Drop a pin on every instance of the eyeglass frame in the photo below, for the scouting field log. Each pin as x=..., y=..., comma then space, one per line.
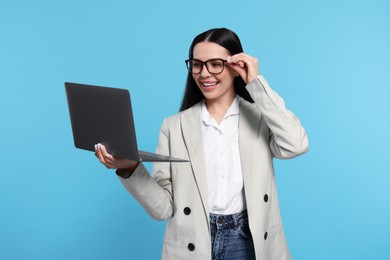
x=205, y=63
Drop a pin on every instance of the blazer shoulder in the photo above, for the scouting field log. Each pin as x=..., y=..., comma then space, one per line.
x=246, y=106
x=188, y=113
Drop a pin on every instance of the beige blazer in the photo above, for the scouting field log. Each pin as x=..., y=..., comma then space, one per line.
x=178, y=191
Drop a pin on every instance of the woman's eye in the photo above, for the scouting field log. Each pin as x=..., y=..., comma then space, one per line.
x=216, y=64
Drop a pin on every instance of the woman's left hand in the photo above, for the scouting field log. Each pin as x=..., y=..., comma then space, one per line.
x=246, y=66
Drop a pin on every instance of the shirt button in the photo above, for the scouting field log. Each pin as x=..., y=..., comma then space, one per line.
x=187, y=211
x=266, y=198
x=265, y=235
x=191, y=247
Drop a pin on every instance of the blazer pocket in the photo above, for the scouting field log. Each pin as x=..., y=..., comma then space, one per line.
x=178, y=250
x=275, y=243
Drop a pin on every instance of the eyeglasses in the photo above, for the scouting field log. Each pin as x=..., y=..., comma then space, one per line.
x=214, y=66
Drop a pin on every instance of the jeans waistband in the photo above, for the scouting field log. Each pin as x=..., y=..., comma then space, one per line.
x=229, y=221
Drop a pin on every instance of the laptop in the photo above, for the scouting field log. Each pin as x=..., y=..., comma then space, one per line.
x=104, y=115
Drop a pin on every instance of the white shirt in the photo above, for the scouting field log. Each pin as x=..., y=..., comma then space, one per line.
x=223, y=163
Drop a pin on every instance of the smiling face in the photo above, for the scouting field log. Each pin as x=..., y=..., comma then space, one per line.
x=215, y=87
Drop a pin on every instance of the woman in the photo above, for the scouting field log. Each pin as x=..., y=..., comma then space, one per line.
x=222, y=204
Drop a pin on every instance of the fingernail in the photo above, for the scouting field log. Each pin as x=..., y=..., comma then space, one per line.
x=95, y=147
x=99, y=146
x=228, y=58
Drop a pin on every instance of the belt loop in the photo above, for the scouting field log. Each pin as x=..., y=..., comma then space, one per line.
x=235, y=220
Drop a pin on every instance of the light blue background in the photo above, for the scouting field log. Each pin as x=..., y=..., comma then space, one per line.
x=329, y=60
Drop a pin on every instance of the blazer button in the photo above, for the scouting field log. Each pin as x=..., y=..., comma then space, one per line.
x=266, y=198
x=191, y=247
x=187, y=211
x=265, y=235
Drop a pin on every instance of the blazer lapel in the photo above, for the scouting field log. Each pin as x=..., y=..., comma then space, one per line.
x=192, y=132
x=248, y=127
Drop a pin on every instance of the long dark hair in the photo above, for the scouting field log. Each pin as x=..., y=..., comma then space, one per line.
x=230, y=41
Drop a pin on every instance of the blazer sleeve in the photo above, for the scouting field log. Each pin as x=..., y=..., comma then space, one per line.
x=154, y=193
x=288, y=139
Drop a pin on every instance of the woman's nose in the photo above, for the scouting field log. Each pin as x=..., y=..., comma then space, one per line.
x=204, y=72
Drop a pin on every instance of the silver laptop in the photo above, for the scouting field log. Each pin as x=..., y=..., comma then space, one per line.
x=104, y=115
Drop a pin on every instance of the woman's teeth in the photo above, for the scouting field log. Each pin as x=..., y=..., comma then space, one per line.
x=209, y=84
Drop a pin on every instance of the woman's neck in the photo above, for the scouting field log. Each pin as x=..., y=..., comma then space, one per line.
x=217, y=108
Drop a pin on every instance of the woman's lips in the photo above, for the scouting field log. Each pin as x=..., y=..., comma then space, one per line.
x=209, y=85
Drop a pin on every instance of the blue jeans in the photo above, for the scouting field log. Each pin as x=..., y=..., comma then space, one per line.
x=231, y=238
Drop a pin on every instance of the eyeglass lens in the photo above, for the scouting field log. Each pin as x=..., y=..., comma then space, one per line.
x=214, y=66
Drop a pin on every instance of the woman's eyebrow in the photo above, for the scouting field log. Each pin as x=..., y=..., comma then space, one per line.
x=218, y=58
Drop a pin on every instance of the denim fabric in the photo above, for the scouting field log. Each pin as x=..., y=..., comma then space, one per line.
x=231, y=238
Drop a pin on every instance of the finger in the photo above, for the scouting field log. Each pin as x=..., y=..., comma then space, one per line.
x=99, y=154
x=237, y=68
x=248, y=63
x=105, y=153
x=97, y=151
x=242, y=59
x=238, y=65
x=106, y=160
x=109, y=161
x=235, y=58
x=108, y=166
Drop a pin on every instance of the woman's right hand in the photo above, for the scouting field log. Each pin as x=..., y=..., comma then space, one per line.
x=113, y=162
